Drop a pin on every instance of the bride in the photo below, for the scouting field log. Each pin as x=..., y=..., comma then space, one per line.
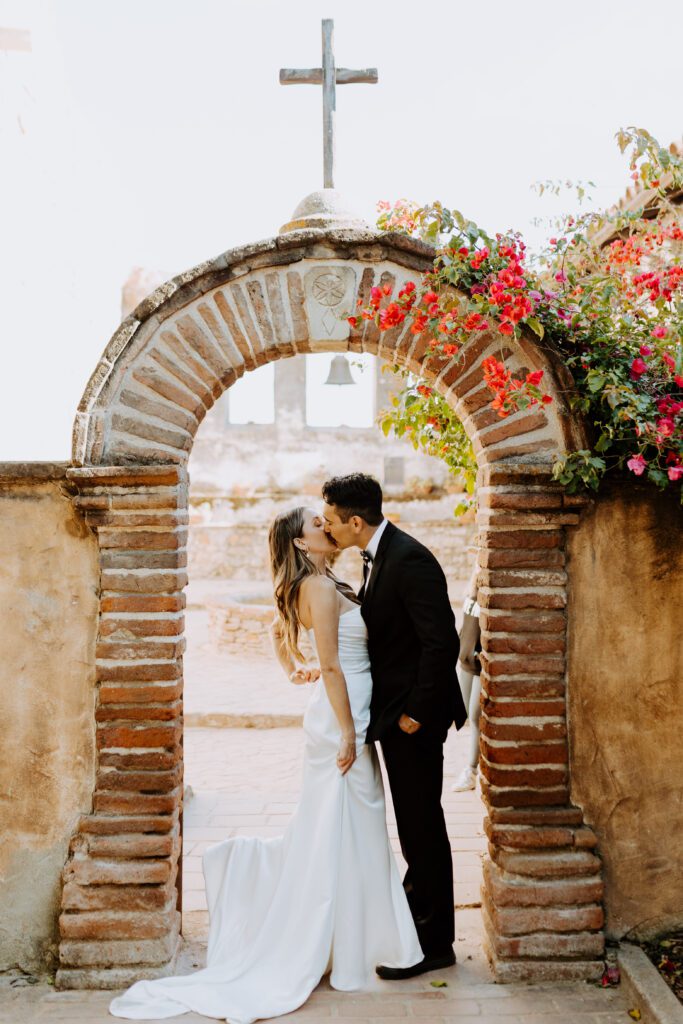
x=326, y=896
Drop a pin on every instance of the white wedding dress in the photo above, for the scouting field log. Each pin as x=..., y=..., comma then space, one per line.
x=325, y=896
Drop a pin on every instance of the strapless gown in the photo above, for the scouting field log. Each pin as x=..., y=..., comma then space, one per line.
x=325, y=896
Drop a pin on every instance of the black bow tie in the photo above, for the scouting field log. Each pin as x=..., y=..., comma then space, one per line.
x=366, y=556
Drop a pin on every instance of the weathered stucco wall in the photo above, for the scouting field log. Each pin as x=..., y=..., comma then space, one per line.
x=626, y=701
x=48, y=596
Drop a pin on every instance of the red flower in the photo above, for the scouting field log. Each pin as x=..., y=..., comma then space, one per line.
x=669, y=360
x=429, y=298
x=645, y=350
x=638, y=368
x=506, y=329
x=674, y=473
x=534, y=378
x=450, y=349
x=659, y=332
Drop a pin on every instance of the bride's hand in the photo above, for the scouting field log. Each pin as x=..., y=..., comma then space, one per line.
x=346, y=754
x=304, y=675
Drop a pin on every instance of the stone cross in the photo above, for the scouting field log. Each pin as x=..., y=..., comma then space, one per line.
x=329, y=77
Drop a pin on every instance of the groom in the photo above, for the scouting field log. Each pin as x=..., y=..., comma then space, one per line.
x=413, y=647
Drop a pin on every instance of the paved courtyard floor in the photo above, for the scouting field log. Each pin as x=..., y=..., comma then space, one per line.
x=247, y=781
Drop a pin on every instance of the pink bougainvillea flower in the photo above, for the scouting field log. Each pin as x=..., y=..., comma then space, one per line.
x=669, y=360
x=665, y=426
x=638, y=368
x=536, y=296
x=534, y=378
x=678, y=380
x=645, y=350
x=637, y=464
x=560, y=276
x=659, y=331
x=674, y=473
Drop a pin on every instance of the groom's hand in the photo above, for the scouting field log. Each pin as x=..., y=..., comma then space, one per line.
x=407, y=724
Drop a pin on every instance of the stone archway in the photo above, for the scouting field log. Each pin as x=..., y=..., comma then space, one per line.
x=161, y=372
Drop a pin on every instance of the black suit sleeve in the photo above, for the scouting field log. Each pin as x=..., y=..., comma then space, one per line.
x=424, y=594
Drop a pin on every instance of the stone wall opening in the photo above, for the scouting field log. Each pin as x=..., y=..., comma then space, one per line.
x=164, y=368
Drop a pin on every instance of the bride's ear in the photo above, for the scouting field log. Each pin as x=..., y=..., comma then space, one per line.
x=298, y=543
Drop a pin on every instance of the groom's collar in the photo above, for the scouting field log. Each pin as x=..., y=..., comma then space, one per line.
x=373, y=543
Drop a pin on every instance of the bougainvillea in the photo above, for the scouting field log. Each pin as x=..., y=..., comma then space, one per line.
x=606, y=294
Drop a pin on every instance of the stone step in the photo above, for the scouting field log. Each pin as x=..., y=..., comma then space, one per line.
x=140, y=824
x=520, y=891
x=546, y=863
x=536, y=815
x=118, y=924
x=525, y=836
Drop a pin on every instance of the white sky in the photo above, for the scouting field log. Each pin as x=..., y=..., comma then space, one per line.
x=155, y=133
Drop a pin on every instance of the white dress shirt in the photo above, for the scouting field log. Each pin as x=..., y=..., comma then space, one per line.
x=373, y=543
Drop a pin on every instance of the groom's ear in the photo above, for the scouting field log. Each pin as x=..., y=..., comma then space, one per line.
x=357, y=523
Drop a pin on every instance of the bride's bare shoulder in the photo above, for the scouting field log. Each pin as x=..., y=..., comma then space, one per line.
x=315, y=587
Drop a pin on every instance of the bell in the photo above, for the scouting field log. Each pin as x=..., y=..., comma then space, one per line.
x=340, y=371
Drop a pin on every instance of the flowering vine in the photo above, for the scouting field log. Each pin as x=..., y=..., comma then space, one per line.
x=606, y=294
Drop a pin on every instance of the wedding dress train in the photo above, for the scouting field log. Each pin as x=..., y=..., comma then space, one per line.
x=325, y=896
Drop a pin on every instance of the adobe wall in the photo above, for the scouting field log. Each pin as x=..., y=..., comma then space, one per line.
x=625, y=706
x=49, y=600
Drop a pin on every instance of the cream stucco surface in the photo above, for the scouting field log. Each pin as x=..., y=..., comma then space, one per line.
x=48, y=597
x=626, y=701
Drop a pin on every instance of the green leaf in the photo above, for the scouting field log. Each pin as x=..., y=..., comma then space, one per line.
x=439, y=984
x=536, y=326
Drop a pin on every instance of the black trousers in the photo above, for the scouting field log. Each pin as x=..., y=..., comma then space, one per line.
x=415, y=770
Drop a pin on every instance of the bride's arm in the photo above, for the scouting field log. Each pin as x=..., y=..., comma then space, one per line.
x=295, y=674
x=322, y=604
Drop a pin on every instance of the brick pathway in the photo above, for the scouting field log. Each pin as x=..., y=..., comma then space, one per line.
x=247, y=780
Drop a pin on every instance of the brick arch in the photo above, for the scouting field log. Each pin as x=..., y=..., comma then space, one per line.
x=159, y=375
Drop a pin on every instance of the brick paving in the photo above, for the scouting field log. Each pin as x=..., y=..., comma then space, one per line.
x=247, y=781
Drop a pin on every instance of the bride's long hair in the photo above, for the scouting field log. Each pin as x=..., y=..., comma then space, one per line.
x=290, y=566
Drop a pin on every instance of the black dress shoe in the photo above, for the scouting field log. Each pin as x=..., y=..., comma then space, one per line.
x=433, y=962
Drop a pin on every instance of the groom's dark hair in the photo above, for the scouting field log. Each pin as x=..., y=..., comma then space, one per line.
x=355, y=495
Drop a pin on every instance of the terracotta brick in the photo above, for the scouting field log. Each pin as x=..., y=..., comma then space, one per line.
x=560, y=863
x=139, y=712
x=116, y=924
x=517, y=539
x=100, y=824
x=143, y=540
x=158, y=671
x=138, y=736
x=533, y=777
x=518, y=476
x=513, y=664
x=525, y=753
x=523, y=708
x=524, y=643
x=531, y=621
x=151, y=377
x=117, y=560
x=147, y=583
x=154, y=693
x=153, y=432
x=512, y=600
x=513, y=427
x=132, y=846
x=157, y=498
x=139, y=782
x=525, y=558
x=502, y=730
x=506, y=518
x=117, y=872
x=130, y=650
x=503, y=796
x=547, y=945
x=530, y=837
x=513, y=449
x=522, y=578
x=136, y=803
x=117, y=897
x=143, y=603
x=493, y=497
x=141, y=759
x=537, y=815
x=547, y=685
x=170, y=413
x=126, y=629
x=510, y=921
x=509, y=890
x=163, y=520
x=183, y=374
x=91, y=961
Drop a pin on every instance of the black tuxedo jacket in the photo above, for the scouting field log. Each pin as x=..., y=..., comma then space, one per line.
x=412, y=640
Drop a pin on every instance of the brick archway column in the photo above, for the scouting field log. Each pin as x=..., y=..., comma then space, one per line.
x=542, y=888
x=120, y=917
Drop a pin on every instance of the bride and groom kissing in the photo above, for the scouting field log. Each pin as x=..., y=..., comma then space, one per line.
x=326, y=896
